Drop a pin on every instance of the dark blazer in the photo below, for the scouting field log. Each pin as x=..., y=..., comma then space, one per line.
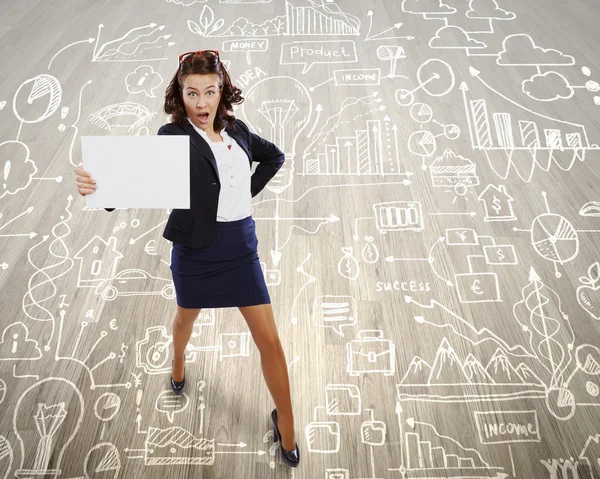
x=195, y=227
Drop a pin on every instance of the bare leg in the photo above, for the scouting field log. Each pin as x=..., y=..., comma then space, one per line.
x=183, y=325
x=264, y=332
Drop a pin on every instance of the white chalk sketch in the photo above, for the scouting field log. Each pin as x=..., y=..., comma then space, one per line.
x=302, y=17
x=152, y=352
x=591, y=208
x=251, y=45
x=343, y=400
x=237, y=2
x=423, y=143
x=427, y=7
x=477, y=287
x=554, y=238
x=171, y=403
x=137, y=44
x=2, y=390
x=370, y=252
x=187, y=3
x=143, y=80
x=455, y=172
x=390, y=36
x=355, y=77
x=43, y=426
x=279, y=109
x=127, y=115
x=337, y=473
x=348, y=266
x=450, y=379
x=428, y=453
x=455, y=38
x=547, y=345
x=370, y=353
x=310, y=53
x=521, y=50
x=107, y=407
x=102, y=460
x=498, y=203
x=373, y=433
x=322, y=436
x=507, y=427
x=398, y=216
x=231, y=345
x=37, y=99
x=177, y=446
x=561, y=468
x=16, y=345
x=369, y=150
x=590, y=454
x=488, y=10
x=393, y=53
x=516, y=141
x=6, y=457
x=588, y=292
x=130, y=282
x=335, y=312
x=272, y=276
x=435, y=77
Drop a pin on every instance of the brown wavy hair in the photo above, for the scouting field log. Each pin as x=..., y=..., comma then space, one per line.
x=203, y=65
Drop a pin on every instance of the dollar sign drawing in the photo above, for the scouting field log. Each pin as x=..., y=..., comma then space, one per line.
x=496, y=204
x=122, y=355
x=500, y=254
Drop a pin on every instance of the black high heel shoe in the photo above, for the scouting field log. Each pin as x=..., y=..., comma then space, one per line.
x=291, y=458
x=178, y=386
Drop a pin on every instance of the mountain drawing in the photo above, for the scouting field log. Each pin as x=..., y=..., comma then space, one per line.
x=451, y=379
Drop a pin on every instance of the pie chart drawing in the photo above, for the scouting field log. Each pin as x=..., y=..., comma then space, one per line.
x=554, y=238
x=436, y=77
x=40, y=97
x=422, y=143
x=421, y=112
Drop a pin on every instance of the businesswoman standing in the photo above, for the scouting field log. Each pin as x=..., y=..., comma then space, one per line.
x=214, y=259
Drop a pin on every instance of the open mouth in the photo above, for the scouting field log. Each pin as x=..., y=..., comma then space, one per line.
x=203, y=117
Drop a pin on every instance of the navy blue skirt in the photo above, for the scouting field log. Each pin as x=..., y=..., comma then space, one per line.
x=224, y=274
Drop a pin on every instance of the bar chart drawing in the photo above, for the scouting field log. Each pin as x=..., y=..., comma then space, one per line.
x=428, y=454
x=373, y=150
x=522, y=139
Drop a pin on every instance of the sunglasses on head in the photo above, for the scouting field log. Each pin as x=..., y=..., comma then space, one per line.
x=187, y=57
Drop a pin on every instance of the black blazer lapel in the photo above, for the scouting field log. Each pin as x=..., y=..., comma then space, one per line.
x=201, y=146
x=205, y=150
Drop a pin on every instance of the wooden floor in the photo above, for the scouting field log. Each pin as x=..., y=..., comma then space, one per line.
x=431, y=250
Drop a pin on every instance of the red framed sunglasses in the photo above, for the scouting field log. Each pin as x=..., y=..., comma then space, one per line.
x=187, y=57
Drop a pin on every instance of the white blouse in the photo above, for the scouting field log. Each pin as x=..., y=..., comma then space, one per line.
x=235, y=198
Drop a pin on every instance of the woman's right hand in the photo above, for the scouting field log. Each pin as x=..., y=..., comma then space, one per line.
x=85, y=183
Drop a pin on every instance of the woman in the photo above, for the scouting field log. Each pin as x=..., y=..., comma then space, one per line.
x=214, y=260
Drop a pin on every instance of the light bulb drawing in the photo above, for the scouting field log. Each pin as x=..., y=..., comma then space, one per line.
x=39, y=425
x=278, y=109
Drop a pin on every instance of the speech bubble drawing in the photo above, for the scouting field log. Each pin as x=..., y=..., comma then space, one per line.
x=335, y=312
x=170, y=403
x=308, y=53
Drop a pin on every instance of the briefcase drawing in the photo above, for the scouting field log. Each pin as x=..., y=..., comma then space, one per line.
x=371, y=354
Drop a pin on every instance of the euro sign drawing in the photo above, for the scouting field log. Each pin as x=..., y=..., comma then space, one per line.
x=476, y=287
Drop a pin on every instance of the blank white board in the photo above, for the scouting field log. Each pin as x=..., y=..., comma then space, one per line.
x=138, y=171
